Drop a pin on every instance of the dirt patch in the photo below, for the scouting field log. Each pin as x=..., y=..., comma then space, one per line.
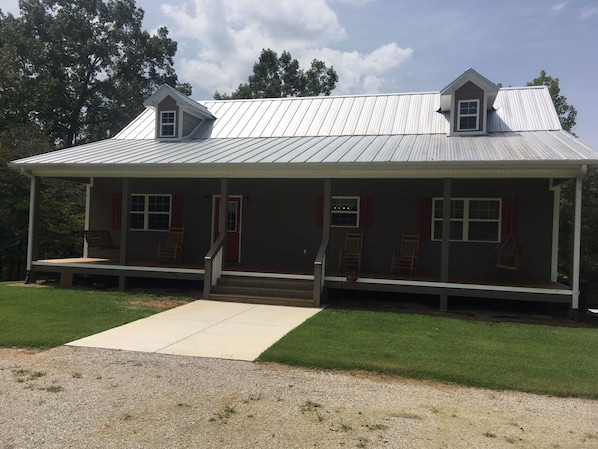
x=158, y=303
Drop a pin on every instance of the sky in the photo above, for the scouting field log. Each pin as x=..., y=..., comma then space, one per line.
x=388, y=46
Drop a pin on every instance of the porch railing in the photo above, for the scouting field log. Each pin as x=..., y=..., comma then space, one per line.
x=213, y=266
x=320, y=272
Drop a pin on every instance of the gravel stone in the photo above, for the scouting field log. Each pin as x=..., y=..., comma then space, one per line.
x=71, y=397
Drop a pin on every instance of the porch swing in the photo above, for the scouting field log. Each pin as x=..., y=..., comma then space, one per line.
x=102, y=238
x=509, y=252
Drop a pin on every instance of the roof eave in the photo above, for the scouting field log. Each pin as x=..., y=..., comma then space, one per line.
x=349, y=170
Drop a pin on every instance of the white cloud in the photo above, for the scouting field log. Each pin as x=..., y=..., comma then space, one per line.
x=558, y=7
x=355, y=3
x=219, y=40
x=588, y=12
x=10, y=6
x=364, y=73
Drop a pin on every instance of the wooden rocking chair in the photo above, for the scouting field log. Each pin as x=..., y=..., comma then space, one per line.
x=350, y=256
x=171, y=251
x=406, y=259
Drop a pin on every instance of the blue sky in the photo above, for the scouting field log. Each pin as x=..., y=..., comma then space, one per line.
x=388, y=45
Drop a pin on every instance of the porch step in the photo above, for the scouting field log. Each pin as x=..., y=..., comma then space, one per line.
x=259, y=290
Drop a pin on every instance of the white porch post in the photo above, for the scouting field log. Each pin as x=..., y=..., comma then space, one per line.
x=576, y=245
x=87, y=214
x=556, y=212
x=32, y=234
x=446, y=236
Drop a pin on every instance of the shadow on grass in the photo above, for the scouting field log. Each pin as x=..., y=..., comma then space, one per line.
x=481, y=309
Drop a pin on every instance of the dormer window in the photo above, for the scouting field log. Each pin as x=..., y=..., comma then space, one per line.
x=466, y=102
x=167, y=123
x=176, y=117
x=469, y=115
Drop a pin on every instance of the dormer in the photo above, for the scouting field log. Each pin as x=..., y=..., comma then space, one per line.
x=467, y=101
x=177, y=116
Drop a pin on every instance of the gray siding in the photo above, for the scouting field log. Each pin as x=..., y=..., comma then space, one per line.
x=168, y=104
x=470, y=91
x=280, y=229
x=190, y=122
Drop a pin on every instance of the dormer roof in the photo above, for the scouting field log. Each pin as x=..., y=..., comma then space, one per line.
x=470, y=75
x=182, y=101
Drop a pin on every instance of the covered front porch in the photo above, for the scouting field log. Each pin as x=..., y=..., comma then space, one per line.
x=284, y=232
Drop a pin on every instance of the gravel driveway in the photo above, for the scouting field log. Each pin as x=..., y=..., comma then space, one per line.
x=94, y=398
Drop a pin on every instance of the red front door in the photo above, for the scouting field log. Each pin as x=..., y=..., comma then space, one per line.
x=233, y=227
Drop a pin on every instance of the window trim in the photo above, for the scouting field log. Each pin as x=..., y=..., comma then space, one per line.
x=164, y=123
x=357, y=213
x=146, y=212
x=466, y=220
x=476, y=115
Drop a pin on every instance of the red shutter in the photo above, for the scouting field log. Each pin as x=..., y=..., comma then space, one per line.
x=117, y=211
x=424, y=218
x=366, y=212
x=509, y=218
x=320, y=212
x=176, y=219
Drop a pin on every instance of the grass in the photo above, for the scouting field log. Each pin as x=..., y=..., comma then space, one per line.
x=552, y=360
x=46, y=317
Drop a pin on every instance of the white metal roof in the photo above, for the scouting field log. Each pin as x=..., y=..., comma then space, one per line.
x=516, y=109
x=373, y=135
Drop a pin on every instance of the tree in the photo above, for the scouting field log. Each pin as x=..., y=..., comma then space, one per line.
x=70, y=72
x=86, y=65
x=275, y=77
x=589, y=222
x=567, y=113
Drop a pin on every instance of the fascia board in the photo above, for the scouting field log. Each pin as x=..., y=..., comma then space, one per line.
x=310, y=170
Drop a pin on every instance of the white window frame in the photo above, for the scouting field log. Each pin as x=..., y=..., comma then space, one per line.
x=466, y=220
x=146, y=212
x=167, y=119
x=345, y=212
x=476, y=115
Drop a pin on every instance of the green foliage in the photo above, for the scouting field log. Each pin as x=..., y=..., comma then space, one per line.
x=567, y=113
x=522, y=357
x=45, y=317
x=85, y=66
x=589, y=230
x=70, y=72
x=275, y=77
x=589, y=242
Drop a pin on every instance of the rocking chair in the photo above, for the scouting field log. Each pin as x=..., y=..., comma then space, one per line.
x=350, y=256
x=407, y=258
x=171, y=251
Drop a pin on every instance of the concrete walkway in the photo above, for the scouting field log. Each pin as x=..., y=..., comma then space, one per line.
x=203, y=328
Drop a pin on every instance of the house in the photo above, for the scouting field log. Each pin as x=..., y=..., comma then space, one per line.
x=474, y=170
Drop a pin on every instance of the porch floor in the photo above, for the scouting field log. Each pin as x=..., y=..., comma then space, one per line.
x=499, y=289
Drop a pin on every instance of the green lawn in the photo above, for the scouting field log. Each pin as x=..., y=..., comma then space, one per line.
x=45, y=317
x=561, y=361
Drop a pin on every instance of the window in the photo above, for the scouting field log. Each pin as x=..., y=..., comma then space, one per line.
x=167, y=122
x=468, y=118
x=344, y=211
x=150, y=212
x=471, y=219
